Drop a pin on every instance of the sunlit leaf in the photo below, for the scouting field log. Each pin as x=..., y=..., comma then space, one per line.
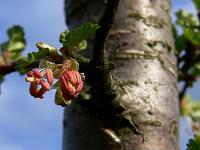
x=16, y=39
x=189, y=25
x=72, y=39
x=15, y=44
x=82, y=45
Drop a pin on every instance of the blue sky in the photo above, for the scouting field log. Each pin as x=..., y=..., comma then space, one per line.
x=27, y=123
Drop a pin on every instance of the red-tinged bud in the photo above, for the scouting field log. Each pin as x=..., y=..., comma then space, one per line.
x=37, y=73
x=45, y=85
x=33, y=89
x=70, y=84
x=79, y=89
x=35, y=78
x=49, y=76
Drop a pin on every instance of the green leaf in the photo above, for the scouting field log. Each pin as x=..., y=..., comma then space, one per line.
x=16, y=39
x=82, y=45
x=59, y=100
x=186, y=19
x=16, y=42
x=180, y=43
x=189, y=25
x=194, y=144
x=72, y=39
x=193, y=36
x=197, y=4
x=44, y=51
x=42, y=46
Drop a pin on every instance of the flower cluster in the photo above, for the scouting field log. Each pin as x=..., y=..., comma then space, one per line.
x=70, y=82
x=36, y=78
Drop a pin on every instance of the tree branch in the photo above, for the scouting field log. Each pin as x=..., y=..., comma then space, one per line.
x=9, y=68
x=6, y=69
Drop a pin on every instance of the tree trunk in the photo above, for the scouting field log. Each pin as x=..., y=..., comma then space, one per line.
x=141, y=46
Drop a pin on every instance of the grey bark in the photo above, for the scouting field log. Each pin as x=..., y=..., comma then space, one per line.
x=141, y=46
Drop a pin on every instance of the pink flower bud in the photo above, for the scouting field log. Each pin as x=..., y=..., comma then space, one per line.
x=49, y=76
x=35, y=78
x=79, y=89
x=70, y=84
x=37, y=73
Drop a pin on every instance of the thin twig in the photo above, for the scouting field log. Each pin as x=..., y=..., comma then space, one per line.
x=105, y=23
x=99, y=68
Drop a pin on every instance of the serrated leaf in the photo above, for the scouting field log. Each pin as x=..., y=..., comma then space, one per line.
x=194, y=144
x=71, y=39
